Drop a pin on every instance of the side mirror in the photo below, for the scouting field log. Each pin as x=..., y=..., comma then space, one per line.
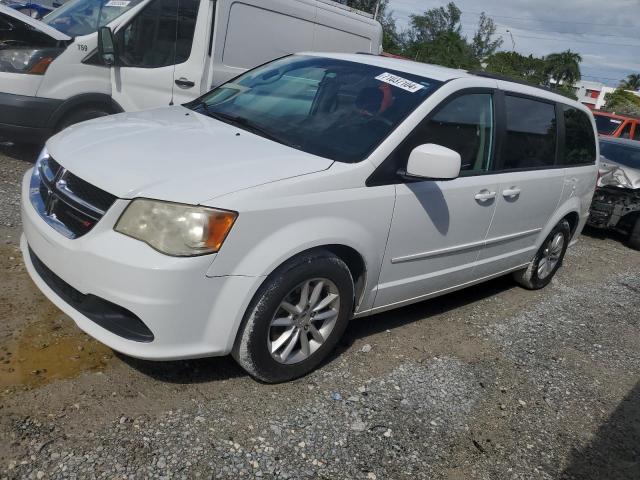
x=431, y=161
x=107, y=46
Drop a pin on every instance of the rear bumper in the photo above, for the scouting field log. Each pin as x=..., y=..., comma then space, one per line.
x=25, y=118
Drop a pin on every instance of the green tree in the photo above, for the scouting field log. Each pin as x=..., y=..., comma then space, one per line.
x=563, y=67
x=632, y=82
x=433, y=23
x=484, y=42
x=622, y=102
x=512, y=64
x=448, y=49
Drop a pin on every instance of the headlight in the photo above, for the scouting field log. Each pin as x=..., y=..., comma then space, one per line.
x=176, y=229
x=34, y=61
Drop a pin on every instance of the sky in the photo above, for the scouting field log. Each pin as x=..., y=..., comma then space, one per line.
x=605, y=33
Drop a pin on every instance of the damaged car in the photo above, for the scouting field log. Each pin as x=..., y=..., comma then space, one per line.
x=616, y=203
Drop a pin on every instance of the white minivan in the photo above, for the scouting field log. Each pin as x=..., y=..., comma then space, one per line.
x=164, y=52
x=260, y=218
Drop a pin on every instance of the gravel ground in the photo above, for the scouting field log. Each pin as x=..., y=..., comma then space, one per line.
x=14, y=161
x=493, y=382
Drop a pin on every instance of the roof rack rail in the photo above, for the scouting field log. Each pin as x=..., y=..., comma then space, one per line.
x=507, y=78
x=347, y=8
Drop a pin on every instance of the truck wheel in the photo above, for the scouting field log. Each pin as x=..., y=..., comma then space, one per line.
x=634, y=236
x=548, y=259
x=296, y=318
x=80, y=115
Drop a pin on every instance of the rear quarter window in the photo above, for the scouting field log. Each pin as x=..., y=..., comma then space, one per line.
x=580, y=141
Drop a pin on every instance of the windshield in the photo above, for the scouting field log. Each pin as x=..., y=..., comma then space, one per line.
x=607, y=125
x=331, y=108
x=626, y=155
x=81, y=17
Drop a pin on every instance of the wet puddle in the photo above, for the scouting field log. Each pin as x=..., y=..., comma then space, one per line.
x=51, y=348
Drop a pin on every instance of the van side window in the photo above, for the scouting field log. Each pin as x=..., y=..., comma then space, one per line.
x=160, y=35
x=464, y=125
x=531, y=136
x=580, y=141
x=636, y=135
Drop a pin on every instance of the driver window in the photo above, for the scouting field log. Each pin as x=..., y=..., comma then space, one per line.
x=464, y=125
x=160, y=35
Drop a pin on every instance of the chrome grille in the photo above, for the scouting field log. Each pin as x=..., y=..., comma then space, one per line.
x=65, y=201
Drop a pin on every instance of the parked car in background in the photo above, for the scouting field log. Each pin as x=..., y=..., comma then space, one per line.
x=154, y=53
x=260, y=218
x=619, y=126
x=616, y=203
x=31, y=9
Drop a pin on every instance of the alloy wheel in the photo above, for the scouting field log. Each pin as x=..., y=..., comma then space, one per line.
x=303, y=321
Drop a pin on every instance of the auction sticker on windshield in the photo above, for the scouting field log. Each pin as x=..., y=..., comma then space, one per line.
x=117, y=3
x=399, y=82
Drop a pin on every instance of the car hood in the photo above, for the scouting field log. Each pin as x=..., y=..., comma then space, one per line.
x=614, y=174
x=32, y=22
x=175, y=154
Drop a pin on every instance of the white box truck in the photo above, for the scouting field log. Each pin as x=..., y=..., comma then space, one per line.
x=152, y=53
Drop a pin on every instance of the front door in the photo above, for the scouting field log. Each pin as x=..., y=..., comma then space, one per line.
x=155, y=49
x=439, y=227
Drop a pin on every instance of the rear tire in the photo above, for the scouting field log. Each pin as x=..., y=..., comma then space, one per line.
x=634, y=236
x=81, y=115
x=548, y=259
x=282, y=336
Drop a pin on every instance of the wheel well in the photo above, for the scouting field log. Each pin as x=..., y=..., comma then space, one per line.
x=355, y=264
x=574, y=219
x=83, y=102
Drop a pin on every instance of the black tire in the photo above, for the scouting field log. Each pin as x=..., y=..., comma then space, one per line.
x=80, y=115
x=634, y=236
x=529, y=278
x=251, y=349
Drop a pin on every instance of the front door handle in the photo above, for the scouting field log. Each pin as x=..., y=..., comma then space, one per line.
x=184, y=83
x=511, y=192
x=485, y=195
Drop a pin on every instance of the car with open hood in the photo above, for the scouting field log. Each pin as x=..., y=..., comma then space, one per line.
x=616, y=203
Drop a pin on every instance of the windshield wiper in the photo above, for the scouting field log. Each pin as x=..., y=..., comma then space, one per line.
x=246, y=125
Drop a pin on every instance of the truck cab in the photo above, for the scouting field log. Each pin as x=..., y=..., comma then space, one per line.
x=165, y=52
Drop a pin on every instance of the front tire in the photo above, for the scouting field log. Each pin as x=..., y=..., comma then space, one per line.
x=548, y=259
x=296, y=318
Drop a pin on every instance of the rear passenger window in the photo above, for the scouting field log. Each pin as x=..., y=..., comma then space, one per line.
x=636, y=135
x=580, y=141
x=531, y=135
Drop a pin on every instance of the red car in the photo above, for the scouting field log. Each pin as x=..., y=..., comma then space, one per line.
x=619, y=126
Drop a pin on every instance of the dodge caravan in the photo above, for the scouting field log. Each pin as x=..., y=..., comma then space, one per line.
x=165, y=52
x=260, y=218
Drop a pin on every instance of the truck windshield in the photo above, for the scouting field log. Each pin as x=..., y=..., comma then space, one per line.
x=81, y=17
x=332, y=108
x=607, y=125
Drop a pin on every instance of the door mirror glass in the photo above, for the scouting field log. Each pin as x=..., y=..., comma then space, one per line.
x=431, y=161
x=107, y=46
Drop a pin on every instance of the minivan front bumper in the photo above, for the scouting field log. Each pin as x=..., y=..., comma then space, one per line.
x=25, y=118
x=188, y=314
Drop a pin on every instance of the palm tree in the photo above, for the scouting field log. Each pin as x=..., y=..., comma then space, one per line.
x=563, y=67
x=631, y=83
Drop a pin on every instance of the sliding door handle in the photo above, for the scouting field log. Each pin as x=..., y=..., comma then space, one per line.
x=511, y=192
